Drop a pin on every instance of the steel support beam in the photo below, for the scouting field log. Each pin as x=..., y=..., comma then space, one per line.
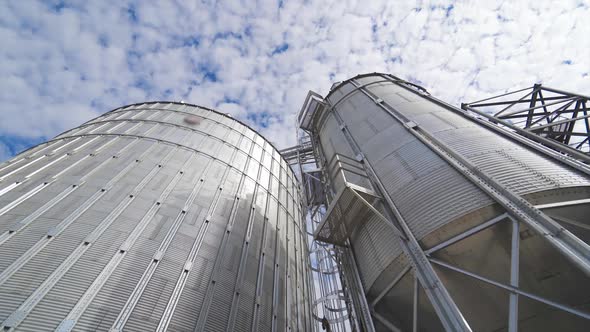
x=531, y=143
x=577, y=251
x=467, y=233
x=451, y=317
x=514, y=271
x=385, y=322
x=539, y=139
x=558, y=126
x=509, y=288
x=565, y=242
x=415, y=305
x=365, y=309
x=517, y=208
x=390, y=286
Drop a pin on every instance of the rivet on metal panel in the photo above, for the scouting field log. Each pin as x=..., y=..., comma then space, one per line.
x=158, y=255
x=52, y=231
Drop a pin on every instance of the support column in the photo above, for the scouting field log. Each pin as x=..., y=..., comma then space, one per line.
x=514, y=265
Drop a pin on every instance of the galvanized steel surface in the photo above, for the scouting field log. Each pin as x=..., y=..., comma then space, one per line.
x=161, y=216
x=413, y=174
x=435, y=199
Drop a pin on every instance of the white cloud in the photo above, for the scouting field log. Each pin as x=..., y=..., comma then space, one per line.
x=60, y=67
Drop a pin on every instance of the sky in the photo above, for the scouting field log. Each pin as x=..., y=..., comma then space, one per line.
x=65, y=62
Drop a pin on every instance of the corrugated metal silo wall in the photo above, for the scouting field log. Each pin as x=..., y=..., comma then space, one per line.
x=152, y=216
x=427, y=190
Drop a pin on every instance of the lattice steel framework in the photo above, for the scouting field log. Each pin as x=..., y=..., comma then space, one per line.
x=549, y=116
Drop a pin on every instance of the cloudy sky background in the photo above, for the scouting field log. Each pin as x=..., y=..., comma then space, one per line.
x=64, y=62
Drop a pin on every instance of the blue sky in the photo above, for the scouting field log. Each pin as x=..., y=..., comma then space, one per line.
x=64, y=62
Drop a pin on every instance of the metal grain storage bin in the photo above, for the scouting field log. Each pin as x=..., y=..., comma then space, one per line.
x=154, y=216
x=454, y=224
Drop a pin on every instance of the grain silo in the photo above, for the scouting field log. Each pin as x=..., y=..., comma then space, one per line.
x=154, y=216
x=444, y=221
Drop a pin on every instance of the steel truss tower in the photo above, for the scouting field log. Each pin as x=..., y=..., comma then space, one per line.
x=555, y=118
x=153, y=217
x=441, y=219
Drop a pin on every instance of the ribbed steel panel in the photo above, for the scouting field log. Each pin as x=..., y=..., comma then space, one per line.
x=149, y=212
x=392, y=125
